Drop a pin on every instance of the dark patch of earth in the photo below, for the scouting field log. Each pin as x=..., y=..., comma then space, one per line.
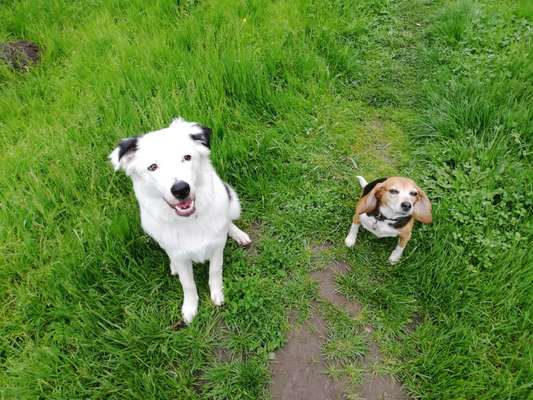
x=327, y=290
x=298, y=370
x=318, y=248
x=413, y=323
x=20, y=55
x=254, y=232
x=376, y=386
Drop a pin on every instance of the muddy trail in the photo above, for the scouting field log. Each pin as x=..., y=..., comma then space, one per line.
x=299, y=369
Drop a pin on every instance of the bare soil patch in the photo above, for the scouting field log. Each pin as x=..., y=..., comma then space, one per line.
x=298, y=371
x=377, y=386
x=20, y=55
x=414, y=322
x=254, y=231
x=318, y=248
x=327, y=288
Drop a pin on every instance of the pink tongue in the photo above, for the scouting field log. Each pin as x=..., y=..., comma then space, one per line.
x=184, y=203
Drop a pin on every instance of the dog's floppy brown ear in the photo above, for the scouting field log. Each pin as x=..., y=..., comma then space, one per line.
x=422, y=210
x=369, y=202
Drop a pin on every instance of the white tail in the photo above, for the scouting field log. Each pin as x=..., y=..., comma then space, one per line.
x=362, y=181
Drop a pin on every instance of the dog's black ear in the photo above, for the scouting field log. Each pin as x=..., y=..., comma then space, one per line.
x=125, y=147
x=204, y=137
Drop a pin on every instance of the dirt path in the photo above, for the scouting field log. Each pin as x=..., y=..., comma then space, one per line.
x=299, y=369
x=378, y=386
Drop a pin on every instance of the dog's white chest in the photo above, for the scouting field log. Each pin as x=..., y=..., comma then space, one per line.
x=378, y=228
x=195, y=240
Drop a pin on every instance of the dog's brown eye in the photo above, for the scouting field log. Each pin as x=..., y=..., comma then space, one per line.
x=393, y=191
x=152, y=167
x=187, y=157
x=414, y=194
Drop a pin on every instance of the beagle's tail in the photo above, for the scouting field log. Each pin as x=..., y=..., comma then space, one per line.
x=362, y=181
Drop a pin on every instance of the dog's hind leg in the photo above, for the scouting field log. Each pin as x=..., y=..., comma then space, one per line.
x=183, y=269
x=215, y=277
x=238, y=235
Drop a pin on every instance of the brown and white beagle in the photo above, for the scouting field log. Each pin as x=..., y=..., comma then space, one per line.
x=388, y=208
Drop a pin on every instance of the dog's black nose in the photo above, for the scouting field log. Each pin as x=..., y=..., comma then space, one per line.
x=406, y=206
x=180, y=190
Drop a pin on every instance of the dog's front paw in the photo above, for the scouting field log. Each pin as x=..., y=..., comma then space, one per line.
x=243, y=239
x=396, y=255
x=350, y=240
x=188, y=312
x=217, y=297
x=393, y=260
x=352, y=235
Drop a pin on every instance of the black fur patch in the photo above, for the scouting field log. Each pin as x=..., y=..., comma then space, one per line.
x=396, y=223
x=228, y=191
x=376, y=214
x=401, y=222
x=370, y=185
x=127, y=145
x=204, y=137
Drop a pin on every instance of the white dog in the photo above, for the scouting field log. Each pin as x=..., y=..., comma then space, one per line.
x=185, y=206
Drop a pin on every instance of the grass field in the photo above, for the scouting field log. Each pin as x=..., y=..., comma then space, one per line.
x=301, y=96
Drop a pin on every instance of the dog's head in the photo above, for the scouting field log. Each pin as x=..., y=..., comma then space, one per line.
x=167, y=163
x=400, y=197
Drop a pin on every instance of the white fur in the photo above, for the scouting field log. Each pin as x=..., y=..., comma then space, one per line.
x=362, y=181
x=378, y=228
x=196, y=238
x=352, y=235
x=396, y=254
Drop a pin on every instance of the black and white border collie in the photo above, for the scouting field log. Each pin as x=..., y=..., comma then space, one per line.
x=185, y=206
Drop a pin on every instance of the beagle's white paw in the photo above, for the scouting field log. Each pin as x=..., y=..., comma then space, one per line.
x=350, y=240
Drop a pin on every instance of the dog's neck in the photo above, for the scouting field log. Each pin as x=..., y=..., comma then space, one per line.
x=383, y=213
x=386, y=212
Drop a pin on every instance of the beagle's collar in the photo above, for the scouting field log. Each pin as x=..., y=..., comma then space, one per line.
x=397, y=223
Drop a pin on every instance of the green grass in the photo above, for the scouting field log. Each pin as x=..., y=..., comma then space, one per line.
x=302, y=95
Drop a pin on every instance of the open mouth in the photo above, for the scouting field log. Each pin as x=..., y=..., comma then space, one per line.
x=183, y=208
